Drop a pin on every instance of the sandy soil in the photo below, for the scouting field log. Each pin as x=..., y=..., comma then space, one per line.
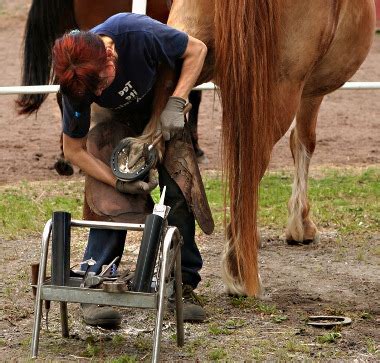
x=325, y=278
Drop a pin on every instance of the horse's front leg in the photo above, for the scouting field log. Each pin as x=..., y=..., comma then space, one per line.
x=301, y=229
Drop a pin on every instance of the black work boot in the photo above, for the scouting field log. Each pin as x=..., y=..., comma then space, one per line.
x=192, y=308
x=103, y=316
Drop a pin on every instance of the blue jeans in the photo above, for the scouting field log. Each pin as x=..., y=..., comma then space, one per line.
x=104, y=245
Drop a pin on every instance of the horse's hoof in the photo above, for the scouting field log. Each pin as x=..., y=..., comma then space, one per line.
x=292, y=242
x=203, y=159
x=198, y=152
x=63, y=167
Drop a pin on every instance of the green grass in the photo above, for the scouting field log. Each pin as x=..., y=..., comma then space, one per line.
x=26, y=207
x=278, y=319
x=348, y=201
x=217, y=354
x=293, y=346
x=215, y=329
x=125, y=359
x=344, y=200
x=330, y=337
x=243, y=302
x=372, y=346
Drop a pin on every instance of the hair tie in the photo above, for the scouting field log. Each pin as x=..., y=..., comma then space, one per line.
x=74, y=31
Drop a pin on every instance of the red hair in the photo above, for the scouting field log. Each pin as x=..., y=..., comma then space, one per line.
x=78, y=58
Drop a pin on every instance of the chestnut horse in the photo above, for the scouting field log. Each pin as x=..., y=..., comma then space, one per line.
x=274, y=61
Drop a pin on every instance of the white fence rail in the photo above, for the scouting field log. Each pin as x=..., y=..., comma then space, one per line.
x=139, y=7
x=346, y=86
x=204, y=87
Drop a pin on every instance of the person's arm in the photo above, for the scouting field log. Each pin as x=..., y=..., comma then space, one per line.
x=75, y=151
x=193, y=60
x=172, y=117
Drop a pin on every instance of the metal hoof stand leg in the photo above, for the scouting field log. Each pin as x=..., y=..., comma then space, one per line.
x=63, y=288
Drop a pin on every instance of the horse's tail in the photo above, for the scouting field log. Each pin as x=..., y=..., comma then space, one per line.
x=46, y=21
x=245, y=36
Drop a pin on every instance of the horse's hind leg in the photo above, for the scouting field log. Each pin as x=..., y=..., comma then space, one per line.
x=62, y=166
x=301, y=228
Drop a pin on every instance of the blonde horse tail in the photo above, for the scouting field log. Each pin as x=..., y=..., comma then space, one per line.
x=245, y=42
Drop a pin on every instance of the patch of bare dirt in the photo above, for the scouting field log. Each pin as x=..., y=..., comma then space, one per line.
x=322, y=279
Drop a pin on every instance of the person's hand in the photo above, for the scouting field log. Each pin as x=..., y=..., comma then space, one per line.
x=138, y=186
x=172, y=117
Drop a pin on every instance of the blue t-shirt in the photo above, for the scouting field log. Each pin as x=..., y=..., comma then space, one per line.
x=141, y=44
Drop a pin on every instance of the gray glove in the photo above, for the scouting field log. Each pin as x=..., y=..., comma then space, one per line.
x=172, y=117
x=137, y=186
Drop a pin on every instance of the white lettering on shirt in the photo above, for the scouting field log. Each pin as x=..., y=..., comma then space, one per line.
x=129, y=94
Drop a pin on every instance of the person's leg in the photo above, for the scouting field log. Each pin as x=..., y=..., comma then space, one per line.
x=103, y=246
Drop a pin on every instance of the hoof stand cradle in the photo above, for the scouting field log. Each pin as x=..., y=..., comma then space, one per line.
x=64, y=288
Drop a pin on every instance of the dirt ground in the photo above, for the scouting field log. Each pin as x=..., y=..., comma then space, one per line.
x=325, y=278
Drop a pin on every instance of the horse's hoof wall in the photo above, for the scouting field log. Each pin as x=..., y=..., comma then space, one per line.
x=292, y=242
x=62, y=167
x=307, y=241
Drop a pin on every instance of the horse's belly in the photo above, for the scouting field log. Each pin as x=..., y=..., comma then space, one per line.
x=349, y=47
x=196, y=18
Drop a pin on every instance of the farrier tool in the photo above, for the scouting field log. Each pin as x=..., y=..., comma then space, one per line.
x=90, y=262
x=136, y=167
x=67, y=291
x=150, y=242
x=95, y=280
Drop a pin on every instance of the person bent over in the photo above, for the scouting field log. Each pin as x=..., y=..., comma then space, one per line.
x=106, y=76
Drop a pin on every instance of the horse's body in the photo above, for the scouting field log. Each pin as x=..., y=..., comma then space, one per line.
x=273, y=60
x=101, y=10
